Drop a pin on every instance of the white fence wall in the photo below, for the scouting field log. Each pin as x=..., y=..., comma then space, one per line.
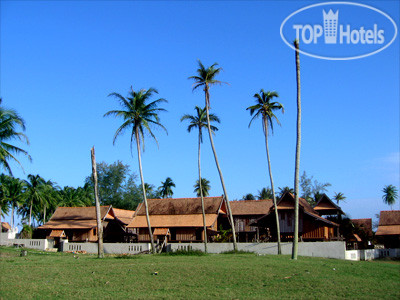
x=316, y=249
x=39, y=244
x=369, y=254
x=110, y=248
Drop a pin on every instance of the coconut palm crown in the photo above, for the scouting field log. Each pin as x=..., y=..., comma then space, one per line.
x=10, y=121
x=199, y=121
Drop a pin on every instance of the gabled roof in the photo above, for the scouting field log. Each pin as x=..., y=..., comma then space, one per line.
x=389, y=223
x=125, y=216
x=181, y=206
x=363, y=224
x=251, y=207
x=178, y=212
x=325, y=206
x=77, y=217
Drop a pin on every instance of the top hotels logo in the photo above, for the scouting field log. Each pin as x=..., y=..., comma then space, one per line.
x=339, y=30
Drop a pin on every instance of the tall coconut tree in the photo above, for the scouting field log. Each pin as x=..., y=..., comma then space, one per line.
x=390, y=195
x=11, y=128
x=297, y=157
x=202, y=188
x=138, y=114
x=15, y=195
x=166, y=188
x=266, y=108
x=199, y=121
x=205, y=78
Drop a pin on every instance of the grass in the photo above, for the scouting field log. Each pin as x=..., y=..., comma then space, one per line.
x=41, y=275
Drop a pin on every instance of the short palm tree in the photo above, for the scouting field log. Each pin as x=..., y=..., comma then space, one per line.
x=199, y=121
x=15, y=195
x=202, y=189
x=166, y=188
x=10, y=121
x=339, y=197
x=34, y=194
x=205, y=78
x=265, y=193
x=266, y=107
x=284, y=190
x=390, y=195
x=138, y=115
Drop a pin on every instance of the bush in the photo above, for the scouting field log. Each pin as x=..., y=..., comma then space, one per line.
x=237, y=252
x=26, y=232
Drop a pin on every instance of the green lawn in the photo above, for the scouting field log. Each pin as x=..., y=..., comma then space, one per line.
x=42, y=275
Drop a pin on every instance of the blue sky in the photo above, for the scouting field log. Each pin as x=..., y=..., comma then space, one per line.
x=60, y=60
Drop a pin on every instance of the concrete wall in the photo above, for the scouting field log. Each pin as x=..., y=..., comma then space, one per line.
x=110, y=248
x=316, y=249
x=369, y=254
x=39, y=244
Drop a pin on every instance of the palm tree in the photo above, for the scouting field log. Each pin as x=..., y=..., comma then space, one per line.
x=166, y=188
x=297, y=159
x=284, y=190
x=9, y=122
x=205, y=78
x=265, y=108
x=199, y=121
x=202, y=189
x=34, y=193
x=138, y=114
x=4, y=202
x=15, y=195
x=339, y=197
x=265, y=193
x=248, y=197
x=390, y=195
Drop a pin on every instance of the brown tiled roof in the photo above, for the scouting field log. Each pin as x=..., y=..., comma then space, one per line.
x=364, y=224
x=388, y=230
x=161, y=231
x=163, y=221
x=57, y=233
x=5, y=226
x=251, y=207
x=76, y=217
x=389, y=217
x=69, y=224
x=125, y=216
x=180, y=206
x=389, y=223
x=78, y=213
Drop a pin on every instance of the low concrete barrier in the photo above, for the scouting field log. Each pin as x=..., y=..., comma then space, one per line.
x=370, y=254
x=39, y=244
x=315, y=249
x=109, y=248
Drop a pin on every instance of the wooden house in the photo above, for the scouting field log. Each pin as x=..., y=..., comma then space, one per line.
x=326, y=207
x=361, y=235
x=79, y=224
x=179, y=220
x=312, y=226
x=5, y=227
x=388, y=232
x=246, y=212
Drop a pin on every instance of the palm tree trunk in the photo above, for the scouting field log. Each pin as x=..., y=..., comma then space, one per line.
x=153, y=249
x=44, y=214
x=297, y=162
x=278, y=231
x=12, y=217
x=100, y=250
x=202, y=198
x=228, y=207
x=30, y=213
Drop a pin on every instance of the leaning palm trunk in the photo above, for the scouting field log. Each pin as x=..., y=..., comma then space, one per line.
x=278, y=231
x=12, y=217
x=153, y=249
x=297, y=163
x=44, y=214
x=228, y=207
x=202, y=199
